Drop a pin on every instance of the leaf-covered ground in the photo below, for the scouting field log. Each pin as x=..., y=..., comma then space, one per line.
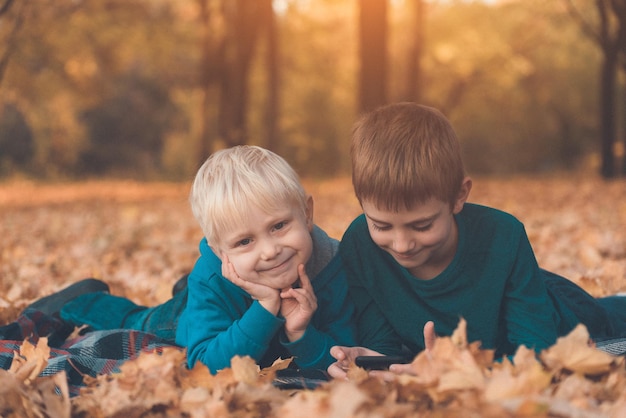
x=140, y=238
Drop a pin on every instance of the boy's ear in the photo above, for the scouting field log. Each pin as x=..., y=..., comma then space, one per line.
x=463, y=195
x=309, y=212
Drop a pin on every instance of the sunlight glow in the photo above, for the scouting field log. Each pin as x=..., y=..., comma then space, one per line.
x=280, y=6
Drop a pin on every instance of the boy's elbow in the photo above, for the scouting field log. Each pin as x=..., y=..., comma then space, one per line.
x=194, y=358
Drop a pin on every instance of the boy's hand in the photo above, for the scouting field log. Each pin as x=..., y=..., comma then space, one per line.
x=429, y=341
x=268, y=297
x=345, y=356
x=298, y=306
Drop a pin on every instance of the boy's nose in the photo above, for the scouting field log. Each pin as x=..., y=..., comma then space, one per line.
x=269, y=250
x=402, y=243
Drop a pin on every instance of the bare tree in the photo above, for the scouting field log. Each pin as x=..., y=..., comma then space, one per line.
x=610, y=35
x=273, y=104
x=227, y=51
x=372, y=53
x=413, y=89
x=210, y=45
x=10, y=41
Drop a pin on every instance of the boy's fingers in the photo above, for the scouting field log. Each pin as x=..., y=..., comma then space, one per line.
x=305, y=282
x=336, y=372
x=429, y=335
x=303, y=298
x=337, y=352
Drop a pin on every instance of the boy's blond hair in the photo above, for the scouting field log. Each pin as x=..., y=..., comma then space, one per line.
x=404, y=154
x=234, y=180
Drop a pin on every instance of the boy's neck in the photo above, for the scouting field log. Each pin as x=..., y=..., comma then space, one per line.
x=324, y=249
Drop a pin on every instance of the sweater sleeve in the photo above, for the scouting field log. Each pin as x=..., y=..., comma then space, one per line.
x=220, y=321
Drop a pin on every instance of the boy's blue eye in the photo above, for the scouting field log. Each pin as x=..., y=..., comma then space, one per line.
x=244, y=242
x=279, y=225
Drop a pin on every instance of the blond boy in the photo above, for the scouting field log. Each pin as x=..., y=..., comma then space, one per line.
x=249, y=292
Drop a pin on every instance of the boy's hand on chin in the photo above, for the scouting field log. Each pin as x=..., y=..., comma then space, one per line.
x=298, y=304
x=268, y=297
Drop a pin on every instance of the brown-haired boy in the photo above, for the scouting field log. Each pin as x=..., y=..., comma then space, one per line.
x=421, y=254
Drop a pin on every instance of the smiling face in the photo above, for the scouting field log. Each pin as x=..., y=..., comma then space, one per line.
x=423, y=238
x=267, y=248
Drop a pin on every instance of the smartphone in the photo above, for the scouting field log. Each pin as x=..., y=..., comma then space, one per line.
x=379, y=362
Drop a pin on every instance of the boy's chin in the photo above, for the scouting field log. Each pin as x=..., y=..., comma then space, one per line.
x=282, y=283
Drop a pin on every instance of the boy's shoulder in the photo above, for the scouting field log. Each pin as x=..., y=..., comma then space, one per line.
x=488, y=218
x=478, y=210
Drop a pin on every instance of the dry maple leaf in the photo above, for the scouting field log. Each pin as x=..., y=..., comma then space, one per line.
x=573, y=353
x=201, y=402
x=342, y=399
x=524, y=377
x=459, y=335
x=356, y=373
x=198, y=376
x=151, y=380
x=42, y=397
x=241, y=390
x=245, y=369
x=450, y=364
x=268, y=374
x=31, y=360
x=463, y=374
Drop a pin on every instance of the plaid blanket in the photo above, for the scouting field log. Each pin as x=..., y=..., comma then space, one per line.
x=103, y=352
x=94, y=353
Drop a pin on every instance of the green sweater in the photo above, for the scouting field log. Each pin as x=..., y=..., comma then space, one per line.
x=493, y=282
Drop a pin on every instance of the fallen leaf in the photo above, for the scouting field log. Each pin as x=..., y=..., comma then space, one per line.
x=573, y=353
x=31, y=360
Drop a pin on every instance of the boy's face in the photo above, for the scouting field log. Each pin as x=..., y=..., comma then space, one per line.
x=268, y=248
x=422, y=239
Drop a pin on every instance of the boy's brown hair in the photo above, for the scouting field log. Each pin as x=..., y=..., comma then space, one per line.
x=404, y=154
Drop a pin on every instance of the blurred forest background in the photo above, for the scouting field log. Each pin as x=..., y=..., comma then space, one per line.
x=147, y=89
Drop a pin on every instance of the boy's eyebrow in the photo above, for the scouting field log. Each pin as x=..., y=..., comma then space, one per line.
x=423, y=220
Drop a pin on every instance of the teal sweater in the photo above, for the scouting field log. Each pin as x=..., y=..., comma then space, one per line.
x=493, y=282
x=221, y=320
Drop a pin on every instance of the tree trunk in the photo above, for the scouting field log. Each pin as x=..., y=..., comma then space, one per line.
x=607, y=113
x=10, y=41
x=272, y=110
x=372, y=54
x=413, y=89
x=207, y=75
x=610, y=39
x=242, y=27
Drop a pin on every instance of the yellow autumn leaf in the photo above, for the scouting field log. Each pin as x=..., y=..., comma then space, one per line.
x=245, y=369
x=463, y=374
x=31, y=360
x=524, y=377
x=573, y=353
